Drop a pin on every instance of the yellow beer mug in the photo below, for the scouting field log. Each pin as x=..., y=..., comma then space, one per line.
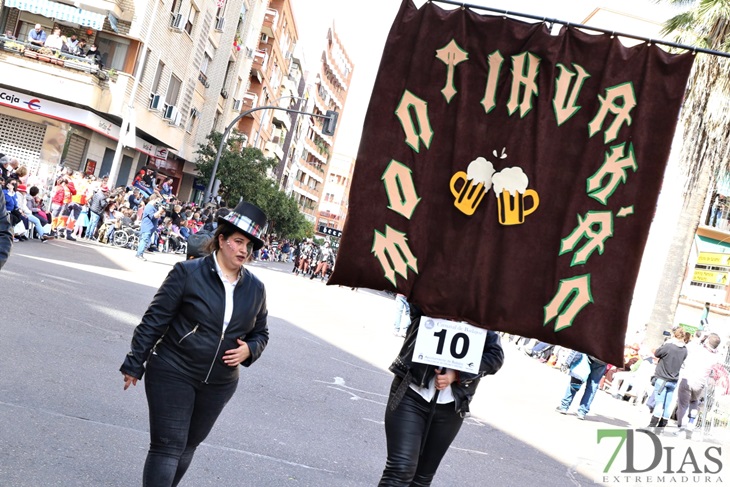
x=469, y=195
x=511, y=207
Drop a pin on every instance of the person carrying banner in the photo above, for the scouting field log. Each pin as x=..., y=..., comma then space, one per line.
x=208, y=317
x=426, y=408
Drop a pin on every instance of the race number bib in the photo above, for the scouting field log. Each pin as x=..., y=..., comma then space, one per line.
x=452, y=344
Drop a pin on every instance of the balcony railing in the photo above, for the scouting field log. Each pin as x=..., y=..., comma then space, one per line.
x=52, y=56
x=271, y=19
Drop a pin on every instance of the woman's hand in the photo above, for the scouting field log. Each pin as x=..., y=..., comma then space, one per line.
x=236, y=356
x=128, y=379
x=444, y=380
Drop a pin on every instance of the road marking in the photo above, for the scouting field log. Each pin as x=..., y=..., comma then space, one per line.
x=358, y=367
x=469, y=451
x=374, y=421
x=96, y=327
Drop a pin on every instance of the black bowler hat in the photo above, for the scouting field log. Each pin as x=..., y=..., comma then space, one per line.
x=250, y=220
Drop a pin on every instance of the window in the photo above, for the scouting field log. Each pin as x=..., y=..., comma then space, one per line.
x=191, y=120
x=158, y=75
x=175, y=8
x=173, y=90
x=206, y=62
x=192, y=16
x=113, y=50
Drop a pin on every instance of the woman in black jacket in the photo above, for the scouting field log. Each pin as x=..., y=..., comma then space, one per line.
x=419, y=432
x=208, y=317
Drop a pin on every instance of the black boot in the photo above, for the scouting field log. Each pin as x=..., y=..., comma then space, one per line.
x=69, y=236
x=652, y=425
x=660, y=426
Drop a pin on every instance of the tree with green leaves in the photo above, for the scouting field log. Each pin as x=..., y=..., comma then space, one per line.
x=244, y=174
x=704, y=124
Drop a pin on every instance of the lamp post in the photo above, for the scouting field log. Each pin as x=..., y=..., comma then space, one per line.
x=263, y=118
x=128, y=129
x=328, y=129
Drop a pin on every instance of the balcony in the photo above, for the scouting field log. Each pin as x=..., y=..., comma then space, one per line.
x=74, y=79
x=250, y=101
x=271, y=19
x=280, y=117
x=258, y=67
x=272, y=147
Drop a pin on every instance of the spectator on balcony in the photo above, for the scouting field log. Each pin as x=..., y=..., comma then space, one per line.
x=80, y=48
x=94, y=56
x=71, y=45
x=37, y=36
x=54, y=41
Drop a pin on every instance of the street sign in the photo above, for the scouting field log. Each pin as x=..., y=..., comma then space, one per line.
x=452, y=344
x=330, y=231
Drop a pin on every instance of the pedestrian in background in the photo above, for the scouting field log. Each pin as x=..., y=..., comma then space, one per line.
x=671, y=356
x=6, y=232
x=584, y=369
x=148, y=225
x=418, y=431
x=208, y=317
x=400, y=325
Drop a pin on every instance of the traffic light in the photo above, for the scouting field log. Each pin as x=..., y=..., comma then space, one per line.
x=330, y=122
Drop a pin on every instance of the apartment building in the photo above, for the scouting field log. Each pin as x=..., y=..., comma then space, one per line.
x=327, y=89
x=333, y=207
x=180, y=58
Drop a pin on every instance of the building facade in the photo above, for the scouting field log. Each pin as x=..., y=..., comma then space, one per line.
x=180, y=58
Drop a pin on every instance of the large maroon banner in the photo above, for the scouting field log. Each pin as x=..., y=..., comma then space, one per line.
x=508, y=177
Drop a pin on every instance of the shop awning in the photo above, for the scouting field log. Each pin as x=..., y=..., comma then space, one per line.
x=59, y=11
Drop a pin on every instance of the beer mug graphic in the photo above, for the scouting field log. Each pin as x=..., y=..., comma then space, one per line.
x=511, y=206
x=469, y=195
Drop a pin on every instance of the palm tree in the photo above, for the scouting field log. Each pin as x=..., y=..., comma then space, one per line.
x=705, y=123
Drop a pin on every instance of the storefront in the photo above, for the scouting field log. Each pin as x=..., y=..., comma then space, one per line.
x=37, y=131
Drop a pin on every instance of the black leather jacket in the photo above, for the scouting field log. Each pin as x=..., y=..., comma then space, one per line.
x=6, y=232
x=184, y=323
x=465, y=386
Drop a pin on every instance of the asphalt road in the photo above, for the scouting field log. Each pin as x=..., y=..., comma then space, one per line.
x=308, y=413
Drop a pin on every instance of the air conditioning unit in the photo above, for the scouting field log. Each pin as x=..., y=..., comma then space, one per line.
x=177, y=22
x=155, y=101
x=249, y=53
x=264, y=38
x=219, y=23
x=237, y=104
x=176, y=118
x=170, y=112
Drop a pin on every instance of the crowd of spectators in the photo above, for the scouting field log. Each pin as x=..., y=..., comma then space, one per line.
x=83, y=206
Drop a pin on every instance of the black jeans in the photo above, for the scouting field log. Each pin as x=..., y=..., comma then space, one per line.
x=182, y=413
x=404, y=430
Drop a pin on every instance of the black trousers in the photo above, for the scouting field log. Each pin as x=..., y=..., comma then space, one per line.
x=405, y=429
x=182, y=413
